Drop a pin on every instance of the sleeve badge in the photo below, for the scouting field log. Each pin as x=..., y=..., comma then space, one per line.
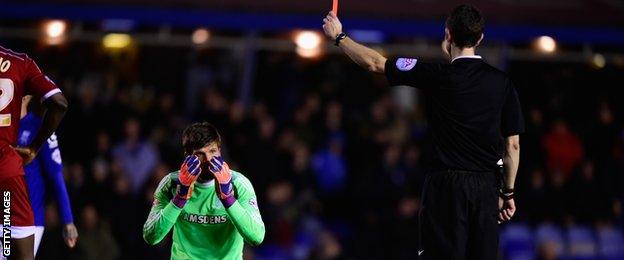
x=405, y=64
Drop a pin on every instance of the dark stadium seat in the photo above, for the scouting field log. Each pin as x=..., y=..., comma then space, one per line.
x=517, y=242
x=581, y=243
x=551, y=236
x=610, y=243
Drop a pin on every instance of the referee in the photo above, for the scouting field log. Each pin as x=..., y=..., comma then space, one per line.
x=474, y=121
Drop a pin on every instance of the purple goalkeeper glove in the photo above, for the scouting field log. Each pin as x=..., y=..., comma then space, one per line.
x=189, y=172
x=223, y=179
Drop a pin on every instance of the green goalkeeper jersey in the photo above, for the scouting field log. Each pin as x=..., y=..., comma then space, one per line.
x=204, y=229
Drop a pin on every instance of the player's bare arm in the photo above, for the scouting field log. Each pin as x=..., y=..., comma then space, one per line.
x=365, y=57
x=510, y=164
x=55, y=108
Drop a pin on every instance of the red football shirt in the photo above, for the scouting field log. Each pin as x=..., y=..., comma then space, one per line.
x=19, y=76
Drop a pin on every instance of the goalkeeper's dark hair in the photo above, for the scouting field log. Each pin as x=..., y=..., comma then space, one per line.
x=199, y=135
x=465, y=23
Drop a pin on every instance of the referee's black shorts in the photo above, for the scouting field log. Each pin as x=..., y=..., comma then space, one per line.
x=459, y=216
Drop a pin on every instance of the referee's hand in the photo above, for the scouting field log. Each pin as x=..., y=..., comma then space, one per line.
x=332, y=26
x=506, y=210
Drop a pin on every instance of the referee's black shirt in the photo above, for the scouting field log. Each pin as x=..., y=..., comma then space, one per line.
x=470, y=107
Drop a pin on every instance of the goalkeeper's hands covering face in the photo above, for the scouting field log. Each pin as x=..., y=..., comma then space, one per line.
x=189, y=172
x=223, y=180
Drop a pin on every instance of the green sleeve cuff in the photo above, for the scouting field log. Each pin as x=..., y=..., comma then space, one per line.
x=236, y=209
x=171, y=212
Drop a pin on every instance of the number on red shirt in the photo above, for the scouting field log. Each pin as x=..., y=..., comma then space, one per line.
x=7, y=89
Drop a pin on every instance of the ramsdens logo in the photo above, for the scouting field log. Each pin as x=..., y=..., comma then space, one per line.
x=205, y=219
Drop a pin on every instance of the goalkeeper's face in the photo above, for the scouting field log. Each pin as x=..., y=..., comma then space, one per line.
x=206, y=154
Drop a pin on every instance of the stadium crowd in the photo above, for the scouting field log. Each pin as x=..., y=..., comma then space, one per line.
x=334, y=153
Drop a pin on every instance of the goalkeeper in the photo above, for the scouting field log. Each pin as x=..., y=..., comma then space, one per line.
x=212, y=209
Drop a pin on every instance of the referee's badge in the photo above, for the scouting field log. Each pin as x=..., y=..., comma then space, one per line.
x=405, y=64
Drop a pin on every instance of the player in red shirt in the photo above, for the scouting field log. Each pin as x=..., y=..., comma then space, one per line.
x=20, y=76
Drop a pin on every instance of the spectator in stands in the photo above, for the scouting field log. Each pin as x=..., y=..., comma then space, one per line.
x=536, y=210
x=328, y=247
x=136, y=157
x=587, y=203
x=330, y=167
x=532, y=150
x=96, y=241
x=564, y=149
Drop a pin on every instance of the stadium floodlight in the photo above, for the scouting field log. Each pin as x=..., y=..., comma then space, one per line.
x=116, y=40
x=200, y=36
x=55, y=28
x=599, y=61
x=308, y=39
x=546, y=44
x=54, y=31
x=308, y=43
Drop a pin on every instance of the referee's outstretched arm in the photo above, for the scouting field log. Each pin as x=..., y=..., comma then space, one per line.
x=365, y=57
